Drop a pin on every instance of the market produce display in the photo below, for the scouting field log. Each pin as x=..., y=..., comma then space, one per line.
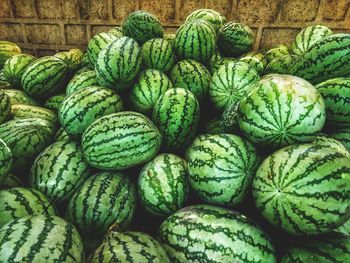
x=149, y=146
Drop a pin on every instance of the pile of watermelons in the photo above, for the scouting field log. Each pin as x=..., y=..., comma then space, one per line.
x=154, y=147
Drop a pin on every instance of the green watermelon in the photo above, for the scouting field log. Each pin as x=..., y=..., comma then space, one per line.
x=191, y=75
x=62, y=135
x=281, y=110
x=176, y=114
x=214, y=126
x=14, y=68
x=149, y=86
x=81, y=81
x=344, y=228
x=118, y=64
x=214, y=18
x=3, y=81
x=120, y=140
x=336, y=95
x=53, y=103
x=162, y=185
x=11, y=181
x=7, y=50
x=276, y=52
x=304, y=188
x=235, y=39
x=79, y=109
x=117, y=31
x=59, y=170
x=106, y=199
x=5, y=161
x=256, y=60
x=231, y=82
x=221, y=168
x=20, y=202
x=19, y=97
x=129, y=247
x=5, y=106
x=280, y=65
x=195, y=40
x=204, y=233
x=158, y=53
x=142, y=26
x=215, y=65
x=40, y=239
x=73, y=57
x=44, y=77
x=342, y=135
x=309, y=36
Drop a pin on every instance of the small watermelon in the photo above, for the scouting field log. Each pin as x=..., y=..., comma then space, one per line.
x=7, y=50
x=82, y=80
x=214, y=18
x=14, y=68
x=256, y=60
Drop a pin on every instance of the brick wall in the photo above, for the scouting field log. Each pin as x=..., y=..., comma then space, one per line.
x=44, y=27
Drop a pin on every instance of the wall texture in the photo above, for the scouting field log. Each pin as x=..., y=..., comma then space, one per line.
x=44, y=27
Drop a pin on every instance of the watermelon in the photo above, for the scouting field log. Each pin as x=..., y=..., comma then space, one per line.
x=117, y=31
x=73, y=57
x=11, y=181
x=44, y=77
x=5, y=106
x=309, y=36
x=170, y=37
x=19, y=97
x=304, y=188
x=215, y=65
x=79, y=109
x=235, y=39
x=336, y=95
x=192, y=75
x=214, y=18
x=231, y=82
x=344, y=228
x=205, y=233
x=14, y=68
x=176, y=114
x=129, y=247
x=20, y=202
x=59, y=170
x=5, y=161
x=25, y=138
x=158, y=53
x=331, y=249
x=280, y=65
x=163, y=185
x=256, y=60
x=342, y=135
x=120, y=140
x=149, y=86
x=62, y=135
x=96, y=45
x=221, y=168
x=330, y=142
x=195, y=40
x=328, y=58
x=142, y=26
x=7, y=50
x=53, y=103
x=281, y=110
x=3, y=81
x=276, y=52
x=106, y=199
x=119, y=63
x=214, y=126
x=40, y=239
x=81, y=81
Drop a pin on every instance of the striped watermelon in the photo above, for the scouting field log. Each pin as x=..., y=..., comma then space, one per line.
x=79, y=109
x=214, y=18
x=44, y=77
x=83, y=69
x=214, y=126
x=342, y=135
x=304, y=188
x=191, y=75
x=221, y=168
x=20, y=202
x=120, y=140
x=73, y=57
x=14, y=68
x=330, y=142
x=328, y=58
x=204, y=233
x=309, y=36
x=149, y=86
x=330, y=249
x=81, y=81
x=129, y=247
x=59, y=170
x=96, y=45
x=26, y=138
x=119, y=63
x=53, y=103
x=256, y=60
x=281, y=110
x=215, y=65
x=117, y=31
x=195, y=40
x=276, y=52
x=235, y=39
x=62, y=135
x=7, y=50
x=106, y=199
x=280, y=65
x=231, y=82
x=5, y=161
x=158, y=53
x=11, y=181
x=170, y=37
x=344, y=228
x=176, y=114
x=3, y=82
x=142, y=26
x=5, y=106
x=163, y=185
x=19, y=97
x=40, y=239
x=336, y=95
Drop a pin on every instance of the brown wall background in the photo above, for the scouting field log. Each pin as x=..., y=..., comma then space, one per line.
x=43, y=27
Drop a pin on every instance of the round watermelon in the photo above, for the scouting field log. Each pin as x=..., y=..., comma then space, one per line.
x=14, y=68
x=214, y=18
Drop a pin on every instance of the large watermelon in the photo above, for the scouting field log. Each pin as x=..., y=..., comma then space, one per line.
x=81, y=81
x=255, y=60
x=342, y=135
x=7, y=50
x=214, y=18
x=14, y=68
x=53, y=103
x=19, y=97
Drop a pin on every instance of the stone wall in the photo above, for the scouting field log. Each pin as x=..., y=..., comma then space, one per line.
x=44, y=27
